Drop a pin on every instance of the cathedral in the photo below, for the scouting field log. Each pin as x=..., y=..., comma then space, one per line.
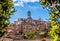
x=28, y=24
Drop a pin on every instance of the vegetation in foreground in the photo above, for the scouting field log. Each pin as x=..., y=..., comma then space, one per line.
x=54, y=11
x=6, y=10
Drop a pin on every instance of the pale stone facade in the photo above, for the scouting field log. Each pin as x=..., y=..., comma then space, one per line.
x=25, y=25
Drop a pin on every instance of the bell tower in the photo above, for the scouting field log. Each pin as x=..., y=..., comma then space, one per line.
x=29, y=15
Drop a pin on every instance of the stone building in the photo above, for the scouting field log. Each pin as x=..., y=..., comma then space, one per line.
x=26, y=25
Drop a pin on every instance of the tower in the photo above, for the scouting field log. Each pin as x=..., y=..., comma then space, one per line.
x=29, y=15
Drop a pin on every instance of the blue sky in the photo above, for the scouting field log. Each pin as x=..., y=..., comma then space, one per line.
x=22, y=7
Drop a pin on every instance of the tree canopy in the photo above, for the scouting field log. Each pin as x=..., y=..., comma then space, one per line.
x=54, y=11
x=6, y=10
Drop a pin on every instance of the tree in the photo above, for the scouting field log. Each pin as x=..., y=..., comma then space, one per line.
x=29, y=35
x=6, y=10
x=54, y=11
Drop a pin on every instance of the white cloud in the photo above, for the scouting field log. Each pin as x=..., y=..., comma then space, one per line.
x=20, y=2
x=14, y=0
x=31, y=0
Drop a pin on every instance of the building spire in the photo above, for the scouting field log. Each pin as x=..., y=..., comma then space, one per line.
x=29, y=14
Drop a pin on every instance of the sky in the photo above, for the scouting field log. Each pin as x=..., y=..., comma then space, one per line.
x=22, y=7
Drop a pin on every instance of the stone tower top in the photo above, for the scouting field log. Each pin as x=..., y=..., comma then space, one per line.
x=29, y=15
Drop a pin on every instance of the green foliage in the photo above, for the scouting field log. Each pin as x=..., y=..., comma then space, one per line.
x=34, y=35
x=6, y=10
x=54, y=14
x=29, y=35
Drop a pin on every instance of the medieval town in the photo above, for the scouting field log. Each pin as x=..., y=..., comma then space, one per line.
x=29, y=20
x=21, y=28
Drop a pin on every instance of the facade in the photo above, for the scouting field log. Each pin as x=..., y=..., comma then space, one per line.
x=27, y=25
